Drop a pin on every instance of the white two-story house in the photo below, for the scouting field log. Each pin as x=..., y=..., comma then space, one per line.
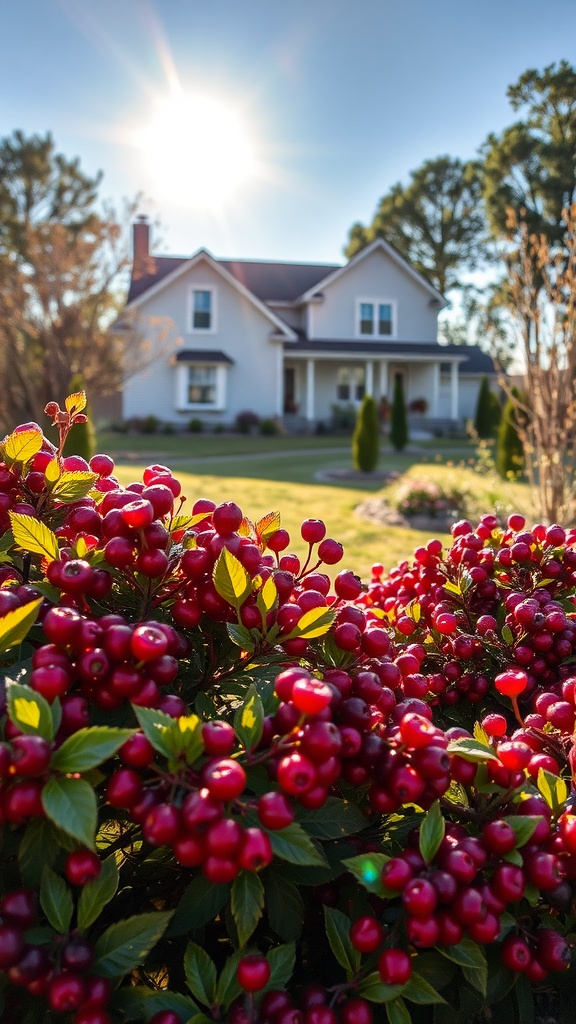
x=294, y=339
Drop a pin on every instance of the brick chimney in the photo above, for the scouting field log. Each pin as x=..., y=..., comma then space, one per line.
x=141, y=247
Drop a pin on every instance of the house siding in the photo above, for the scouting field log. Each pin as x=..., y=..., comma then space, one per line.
x=242, y=333
x=377, y=276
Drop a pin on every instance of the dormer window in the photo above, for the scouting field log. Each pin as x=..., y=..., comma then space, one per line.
x=375, y=319
x=202, y=310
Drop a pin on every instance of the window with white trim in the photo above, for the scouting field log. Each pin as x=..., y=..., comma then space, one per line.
x=375, y=319
x=350, y=384
x=201, y=386
x=202, y=317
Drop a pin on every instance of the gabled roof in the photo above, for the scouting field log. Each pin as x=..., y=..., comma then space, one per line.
x=388, y=250
x=182, y=266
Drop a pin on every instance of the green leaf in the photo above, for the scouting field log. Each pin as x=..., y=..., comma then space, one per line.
x=471, y=750
x=507, y=635
x=375, y=991
x=22, y=445
x=201, y=902
x=200, y=974
x=477, y=977
x=312, y=624
x=137, y=1001
x=29, y=710
x=155, y=726
x=56, y=900
x=231, y=580
x=71, y=805
x=242, y=637
x=126, y=944
x=31, y=535
x=183, y=740
x=281, y=960
x=367, y=869
x=73, y=486
x=337, y=927
x=284, y=905
x=17, y=623
x=41, y=835
x=420, y=991
x=431, y=832
x=247, y=903
x=524, y=826
x=398, y=1012
x=95, y=895
x=335, y=819
x=553, y=789
x=228, y=989
x=89, y=747
x=249, y=720
x=294, y=845
x=466, y=954
x=525, y=998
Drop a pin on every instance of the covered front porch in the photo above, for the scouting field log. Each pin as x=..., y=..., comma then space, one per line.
x=313, y=385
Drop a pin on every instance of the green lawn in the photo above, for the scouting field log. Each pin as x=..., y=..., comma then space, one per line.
x=264, y=474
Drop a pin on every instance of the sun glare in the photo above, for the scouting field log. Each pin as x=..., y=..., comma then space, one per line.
x=198, y=150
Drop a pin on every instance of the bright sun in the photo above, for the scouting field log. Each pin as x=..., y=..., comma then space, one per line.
x=198, y=150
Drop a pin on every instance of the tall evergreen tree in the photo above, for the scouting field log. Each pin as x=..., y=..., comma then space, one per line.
x=509, y=450
x=399, y=420
x=488, y=410
x=366, y=437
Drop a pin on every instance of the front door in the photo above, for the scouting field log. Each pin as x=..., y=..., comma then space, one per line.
x=290, y=405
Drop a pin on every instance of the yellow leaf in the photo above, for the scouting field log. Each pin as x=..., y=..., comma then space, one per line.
x=315, y=623
x=246, y=528
x=31, y=535
x=76, y=402
x=188, y=723
x=269, y=594
x=248, y=718
x=27, y=712
x=268, y=525
x=22, y=445
x=231, y=580
x=53, y=471
x=15, y=625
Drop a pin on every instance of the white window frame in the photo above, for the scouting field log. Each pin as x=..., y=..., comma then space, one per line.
x=213, y=309
x=182, y=384
x=356, y=381
x=375, y=303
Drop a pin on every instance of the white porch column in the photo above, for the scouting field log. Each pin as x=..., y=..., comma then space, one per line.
x=435, y=396
x=383, y=379
x=279, y=381
x=454, y=391
x=309, y=389
x=369, y=379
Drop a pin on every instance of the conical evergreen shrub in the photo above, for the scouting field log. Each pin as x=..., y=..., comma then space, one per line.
x=366, y=437
x=82, y=438
x=399, y=421
x=509, y=451
x=488, y=411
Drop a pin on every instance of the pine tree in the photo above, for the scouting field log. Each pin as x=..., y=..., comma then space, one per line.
x=399, y=422
x=365, y=440
x=82, y=439
x=509, y=451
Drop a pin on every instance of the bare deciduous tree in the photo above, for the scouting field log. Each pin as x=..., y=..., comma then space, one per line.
x=542, y=303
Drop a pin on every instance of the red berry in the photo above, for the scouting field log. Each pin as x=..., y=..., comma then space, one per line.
x=275, y=811
x=253, y=972
x=511, y=682
x=148, y=642
x=225, y=779
x=311, y=696
x=366, y=934
x=394, y=966
x=82, y=866
x=330, y=551
x=313, y=531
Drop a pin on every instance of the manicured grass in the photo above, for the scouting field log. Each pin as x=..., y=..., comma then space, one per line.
x=288, y=474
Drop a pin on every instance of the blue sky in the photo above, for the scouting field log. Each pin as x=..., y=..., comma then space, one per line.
x=341, y=98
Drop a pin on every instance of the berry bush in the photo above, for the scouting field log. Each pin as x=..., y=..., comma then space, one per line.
x=237, y=784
